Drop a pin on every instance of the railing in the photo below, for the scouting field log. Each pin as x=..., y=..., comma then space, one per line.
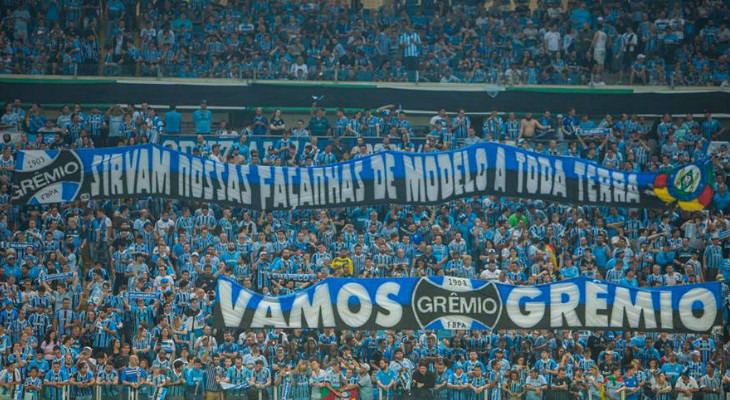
x=150, y=391
x=147, y=391
x=494, y=76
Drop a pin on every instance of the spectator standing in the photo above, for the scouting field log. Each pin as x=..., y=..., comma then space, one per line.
x=202, y=119
x=319, y=125
x=598, y=44
x=686, y=387
x=410, y=42
x=552, y=42
x=260, y=125
x=172, y=120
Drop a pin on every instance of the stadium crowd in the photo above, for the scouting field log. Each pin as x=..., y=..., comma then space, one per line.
x=73, y=321
x=544, y=42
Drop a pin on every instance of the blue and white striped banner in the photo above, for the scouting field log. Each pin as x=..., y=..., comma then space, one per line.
x=231, y=386
x=58, y=276
x=143, y=295
x=292, y=277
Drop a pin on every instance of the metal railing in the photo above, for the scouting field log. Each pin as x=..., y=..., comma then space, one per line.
x=149, y=391
x=334, y=73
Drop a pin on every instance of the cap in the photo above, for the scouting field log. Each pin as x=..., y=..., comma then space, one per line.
x=195, y=253
x=560, y=116
x=640, y=57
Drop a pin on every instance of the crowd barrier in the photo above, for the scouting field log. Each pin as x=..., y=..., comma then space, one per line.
x=275, y=392
x=426, y=97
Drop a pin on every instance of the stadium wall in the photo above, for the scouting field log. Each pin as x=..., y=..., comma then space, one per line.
x=237, y=95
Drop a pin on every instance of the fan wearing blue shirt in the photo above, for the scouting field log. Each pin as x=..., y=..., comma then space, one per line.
x=632, y=384
x=665, y=256
x=231, y=257
x=672, y=369
x=629, y=279
x=172, y=120
x=569, y=271
x=202, y=118
x=649, y=352
x=54, y=381
x=546, y=366
x=133, y=377
x=472, y=363
x=195, y=379
x=385, y=378
x=260, y=124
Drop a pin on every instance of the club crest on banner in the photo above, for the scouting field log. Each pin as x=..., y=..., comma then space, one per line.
x=385, y=177
x=43, y=177
x=690, y=186
x=455, y=303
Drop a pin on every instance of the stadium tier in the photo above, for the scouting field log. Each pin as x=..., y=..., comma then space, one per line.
x=481, y=220
x=678, y=43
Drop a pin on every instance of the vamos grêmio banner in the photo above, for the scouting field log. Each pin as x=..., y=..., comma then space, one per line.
x=457, y=303
x=43, y=177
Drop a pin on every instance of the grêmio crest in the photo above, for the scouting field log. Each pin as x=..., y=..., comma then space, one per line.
x=44, y=177
x=455, y=303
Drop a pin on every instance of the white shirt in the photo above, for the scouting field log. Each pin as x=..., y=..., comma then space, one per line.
x=553, y=41
x=489, y=275
x=158, y=281
x=554, y=12
x=437, y=118
x=512, y=76
x=295, y=68
x=162, y=226
x=396, y=365
x=601, y=40
x=680, y=385
x=296, y=132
